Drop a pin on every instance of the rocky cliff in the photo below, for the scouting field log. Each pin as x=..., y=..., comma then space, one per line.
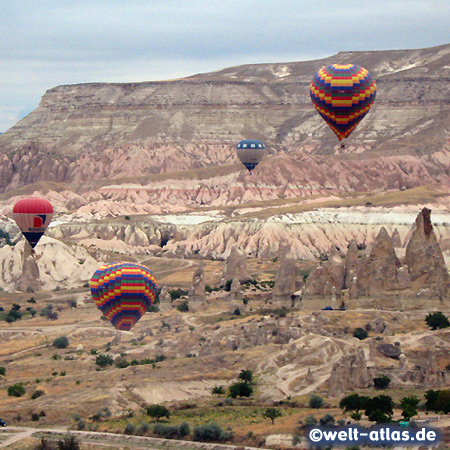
x=96, y=131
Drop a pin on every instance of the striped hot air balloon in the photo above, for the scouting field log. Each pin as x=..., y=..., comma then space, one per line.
x=343, y=95
x=123, y=292
x=33, y=216
x=250, y=152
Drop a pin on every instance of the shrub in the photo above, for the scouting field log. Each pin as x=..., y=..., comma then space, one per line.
x=240, y=389
x=61, y=342
x=218, y=390
x=211, y=432
x=381, y=382
x=36, y=394
x=360, y=333
x=171, y=431
x=130, y=428
x=16, y=390
x=316, y=402
x=157, y=412
x=183, y=307
x=3, y=371
x=104, y=360
x=177, y=293
x=437, y=320
x=69, y=443
x=35, y=417
x=310, y=420
x=327, y=420
x=142, y=428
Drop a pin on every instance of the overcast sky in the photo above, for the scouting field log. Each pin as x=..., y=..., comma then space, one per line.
x=46, y=43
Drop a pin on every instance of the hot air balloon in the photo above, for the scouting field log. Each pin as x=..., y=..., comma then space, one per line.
x=343, y=95
x=250, y=152
x=33, y=216
x=123, y=292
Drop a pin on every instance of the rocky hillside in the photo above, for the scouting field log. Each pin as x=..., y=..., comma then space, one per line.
x=113, y=131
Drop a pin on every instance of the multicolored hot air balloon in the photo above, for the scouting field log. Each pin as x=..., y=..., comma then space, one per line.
x=33, y=216
x=343, y=95
x=123, y=292
x=250, y=152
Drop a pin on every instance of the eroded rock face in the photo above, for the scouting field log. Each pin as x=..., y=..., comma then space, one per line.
x=350, y=372
x=328, y=279
x=424, y=257
x=165, y=301
x=380, y=272
x=389, y=350
x=377, y=273
x=236, y=267
x=29, y=279
x=286, y=281
x=197, y=290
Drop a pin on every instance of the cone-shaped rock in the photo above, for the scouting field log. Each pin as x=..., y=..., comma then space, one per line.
x=424, y=257
x=30, y=271
x=236, y=267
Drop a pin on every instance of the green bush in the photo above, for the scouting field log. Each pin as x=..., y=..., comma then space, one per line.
x=171, y=431
x=130, y=428
x=360, y=333
x=327, y=420
x=437, y=320
x=16, y=390
x=240, y=389
x=3, y=371
x=381, y=382
x=211, y=432
x=316, y=402
x=61, y=342
x=104, y=360
x=183, y=307
x=36, y=394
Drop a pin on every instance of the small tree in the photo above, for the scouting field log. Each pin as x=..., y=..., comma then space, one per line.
x=354, y=402
x=240, y=390
x=246, y=376
x=437, y=320
x=409, y=406
x=157, y=412
x=61, y=342
x=381, y=382
x=443, y=401
x=316, y=402
x=380, y=409
x=272, y=414
x=431, y=400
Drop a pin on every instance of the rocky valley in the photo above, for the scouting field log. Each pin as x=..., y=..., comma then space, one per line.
x=272, y=273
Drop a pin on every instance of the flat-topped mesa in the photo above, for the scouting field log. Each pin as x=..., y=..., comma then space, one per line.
x=424, y=258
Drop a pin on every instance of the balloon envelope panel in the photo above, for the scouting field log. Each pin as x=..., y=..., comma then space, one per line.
x=123, y=292
x=33, y=216
x=343, y=95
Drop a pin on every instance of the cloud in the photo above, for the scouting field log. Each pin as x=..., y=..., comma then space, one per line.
x=50, y=42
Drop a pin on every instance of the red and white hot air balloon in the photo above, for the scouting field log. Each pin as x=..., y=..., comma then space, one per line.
x=33, y=216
